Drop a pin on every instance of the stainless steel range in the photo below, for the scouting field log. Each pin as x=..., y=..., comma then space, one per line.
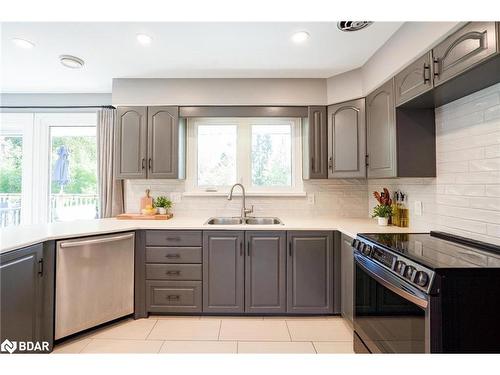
x=425, y=293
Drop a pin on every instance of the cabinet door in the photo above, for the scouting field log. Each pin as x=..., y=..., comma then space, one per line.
x=131, y=142
x=310, y=272
x=381, y=132
x=21, y=294
x=347, y=279
x=469, y=46
x=265, y=279
x=163, y=142
x=223, y=271
x=316, y=144
x=414, y=80
x=347, y=140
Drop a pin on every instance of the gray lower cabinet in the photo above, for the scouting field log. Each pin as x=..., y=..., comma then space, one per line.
x=310, y=272
x=314, y=144
x=347, y=278
x=131, y=142
x=172, y=271
x=27, y=294
x=414, y=80
x=150, y=143
x=381, y=132
x=347, y=140
x=467, y=47
x=223, y=271
x=265, y=272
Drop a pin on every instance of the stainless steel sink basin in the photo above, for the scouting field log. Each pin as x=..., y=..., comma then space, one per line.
x=248, y=220
x=263, y=221
x=225, y=221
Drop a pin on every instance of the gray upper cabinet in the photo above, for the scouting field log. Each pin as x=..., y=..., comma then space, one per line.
x=381, y=132
x=265, y=272
x=462, y=50
x=310, y=272
x=347, y=278
x=315, y=144
x=347, y=140
x=163, y=142
x=27, y=294
x=150, y=143
x=223, y=271
x=131, y=142
x=414, y=80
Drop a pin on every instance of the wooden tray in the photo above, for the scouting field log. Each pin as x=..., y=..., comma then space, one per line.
x=144, y=217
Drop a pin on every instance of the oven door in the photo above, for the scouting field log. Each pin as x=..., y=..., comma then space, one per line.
x=389, y=314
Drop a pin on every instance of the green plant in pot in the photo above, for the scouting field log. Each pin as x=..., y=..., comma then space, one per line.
x=163, y=205
x=382, y=212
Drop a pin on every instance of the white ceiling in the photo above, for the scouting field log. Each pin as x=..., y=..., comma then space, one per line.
x=187, y=50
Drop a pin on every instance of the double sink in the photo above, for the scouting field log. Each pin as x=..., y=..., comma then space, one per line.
x=247, y=220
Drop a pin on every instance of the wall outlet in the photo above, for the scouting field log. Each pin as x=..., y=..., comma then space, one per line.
x=175, y=197
x=418, y=208
x=311, y=199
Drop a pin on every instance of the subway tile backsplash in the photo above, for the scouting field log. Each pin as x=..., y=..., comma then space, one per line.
x=464, y=198
x=339, y=198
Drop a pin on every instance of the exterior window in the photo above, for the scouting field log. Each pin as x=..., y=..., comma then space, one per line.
x=261, y=153
x=36, y=184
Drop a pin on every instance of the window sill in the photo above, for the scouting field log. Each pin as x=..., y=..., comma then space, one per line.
x=283, y=194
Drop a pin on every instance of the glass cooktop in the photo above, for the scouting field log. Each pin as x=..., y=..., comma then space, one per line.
x=438, y=249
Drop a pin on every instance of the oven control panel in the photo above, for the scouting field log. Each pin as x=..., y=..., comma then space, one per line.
x=384, y=257
x=412, y=272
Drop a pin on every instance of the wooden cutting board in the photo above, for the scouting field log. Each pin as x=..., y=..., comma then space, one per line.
x=146, y=200
x=144, y=217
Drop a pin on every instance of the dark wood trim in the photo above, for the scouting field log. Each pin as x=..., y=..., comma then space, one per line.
x=243, y=111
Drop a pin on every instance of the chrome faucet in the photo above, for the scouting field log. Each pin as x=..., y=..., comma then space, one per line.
x=244, y=210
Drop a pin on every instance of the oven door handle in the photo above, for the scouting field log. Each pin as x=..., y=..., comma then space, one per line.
x=396, y=286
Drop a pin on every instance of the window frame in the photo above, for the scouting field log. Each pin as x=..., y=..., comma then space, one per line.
x=243, y=155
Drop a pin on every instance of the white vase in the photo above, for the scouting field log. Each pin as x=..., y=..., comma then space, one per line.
x=383, y=221
x=162, y=210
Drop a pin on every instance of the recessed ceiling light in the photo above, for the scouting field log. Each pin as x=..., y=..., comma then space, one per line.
x=144, y=39
x=71, y=62
x=300, y=36
x=23, y=43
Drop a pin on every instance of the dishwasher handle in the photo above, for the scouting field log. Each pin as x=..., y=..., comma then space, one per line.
x=96, y=241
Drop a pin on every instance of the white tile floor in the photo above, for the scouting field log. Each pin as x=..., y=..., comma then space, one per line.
x=216, y=334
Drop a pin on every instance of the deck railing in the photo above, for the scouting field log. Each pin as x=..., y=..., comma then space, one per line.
x=62, y=207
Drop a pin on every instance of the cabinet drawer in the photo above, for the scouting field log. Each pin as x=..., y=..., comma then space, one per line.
x=173, y=271
x=173, y=254
x=173, y=238
x=173, y=296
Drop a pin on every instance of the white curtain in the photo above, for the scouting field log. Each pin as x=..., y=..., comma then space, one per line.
x=110, y=189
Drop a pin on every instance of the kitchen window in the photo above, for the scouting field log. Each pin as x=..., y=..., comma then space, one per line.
x=261, y=153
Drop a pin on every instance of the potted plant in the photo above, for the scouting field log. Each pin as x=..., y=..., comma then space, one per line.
x=163, y=204
x=382, y=211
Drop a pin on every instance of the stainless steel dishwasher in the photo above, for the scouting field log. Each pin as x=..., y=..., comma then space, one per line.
x=94, y=281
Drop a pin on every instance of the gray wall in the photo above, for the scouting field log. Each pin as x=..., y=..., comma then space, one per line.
x=215, y=91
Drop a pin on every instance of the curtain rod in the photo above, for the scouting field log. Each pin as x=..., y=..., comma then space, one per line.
x=58, y=107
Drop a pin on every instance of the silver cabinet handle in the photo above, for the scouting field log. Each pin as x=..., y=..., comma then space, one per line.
x=177, y=273
x=143, y=163
x=96, y=241
x=173, y=297
x=436, y=67
x=172, y=256
x=150, y=163
x=427, y=75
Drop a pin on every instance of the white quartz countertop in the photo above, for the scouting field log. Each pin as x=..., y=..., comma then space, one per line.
x=25, y=235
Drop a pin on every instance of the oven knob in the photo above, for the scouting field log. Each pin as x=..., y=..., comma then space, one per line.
x=354, y=243
x=399, y=267
x=421, y=279
x=360, y=246
x=409, y=270
x=367, y=249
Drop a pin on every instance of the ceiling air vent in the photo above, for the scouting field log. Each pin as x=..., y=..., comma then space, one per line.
x=353, y=25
